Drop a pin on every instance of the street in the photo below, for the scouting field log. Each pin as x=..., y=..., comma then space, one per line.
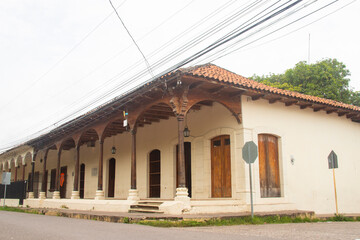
x=19, y=226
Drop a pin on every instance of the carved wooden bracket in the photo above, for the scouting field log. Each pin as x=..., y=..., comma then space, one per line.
x=231, y=103
x=179, y=100
x=100, y=129
x=76, y=137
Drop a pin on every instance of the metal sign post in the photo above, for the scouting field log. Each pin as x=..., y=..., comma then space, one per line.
x=249, y=154
x=6, y=176
x=251, y=195
x=333, y=163
x=4, y=196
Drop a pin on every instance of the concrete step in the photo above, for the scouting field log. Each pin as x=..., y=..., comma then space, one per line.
x=141, y=210
x=151, y=202
x=145, y=206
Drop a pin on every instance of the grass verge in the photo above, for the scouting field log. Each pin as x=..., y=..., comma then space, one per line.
x=242, y=221
x=17, y=209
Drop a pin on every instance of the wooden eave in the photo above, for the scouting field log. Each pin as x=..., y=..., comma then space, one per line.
x=112, y=111
x=255, y=94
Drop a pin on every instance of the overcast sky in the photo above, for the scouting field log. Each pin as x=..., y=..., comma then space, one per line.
x=58, y=56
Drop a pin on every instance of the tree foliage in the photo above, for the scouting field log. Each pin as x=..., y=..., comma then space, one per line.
x=327, y=79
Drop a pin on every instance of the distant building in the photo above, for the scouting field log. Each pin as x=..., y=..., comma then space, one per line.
x=97, y=161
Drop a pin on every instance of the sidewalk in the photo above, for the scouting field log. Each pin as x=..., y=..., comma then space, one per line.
x=123, y=217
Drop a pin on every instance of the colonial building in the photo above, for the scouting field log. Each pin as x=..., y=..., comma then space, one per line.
x=175, y=145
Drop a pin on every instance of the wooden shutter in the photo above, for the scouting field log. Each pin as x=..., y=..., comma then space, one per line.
x=220, y=166
x=269, y=166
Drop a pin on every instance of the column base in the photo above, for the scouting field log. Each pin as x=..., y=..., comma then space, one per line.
x=31, y=195
x=182, y=196
x=133, y=195
x=42, y=195
x=100, y=195
x=75, y=195
x=56, y=195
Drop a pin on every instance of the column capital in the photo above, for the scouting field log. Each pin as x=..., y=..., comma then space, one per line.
x=180, y=117
x=133, y=131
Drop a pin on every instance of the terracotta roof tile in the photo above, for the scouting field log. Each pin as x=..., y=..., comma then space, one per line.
x=214, y=72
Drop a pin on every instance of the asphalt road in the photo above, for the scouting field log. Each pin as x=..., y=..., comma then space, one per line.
x=28, y=226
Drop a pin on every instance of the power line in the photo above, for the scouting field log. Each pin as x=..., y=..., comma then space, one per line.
x=32, y=84
x=327, y=5
x=116, y=88
x=127, y=30
x=263, y=28
x=302, y=27
x=182, y=63
x=193, y=27
x=196, y=56
x=78, y=81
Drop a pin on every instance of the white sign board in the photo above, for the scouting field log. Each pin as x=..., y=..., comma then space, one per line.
x=6, y=178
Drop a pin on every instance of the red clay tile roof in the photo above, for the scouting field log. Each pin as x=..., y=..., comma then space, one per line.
x=214, y=72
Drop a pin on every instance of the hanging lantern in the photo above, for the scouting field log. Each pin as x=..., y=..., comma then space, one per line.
x=186, y=129
x=91, y=143
x=113, y=150
x=186, y=132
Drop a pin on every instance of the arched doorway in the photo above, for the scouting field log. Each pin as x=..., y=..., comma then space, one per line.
x=82, y=180
x=63, y=177
x=220, y=167
x=111, y=185
x=187, y=152
x=154, y=174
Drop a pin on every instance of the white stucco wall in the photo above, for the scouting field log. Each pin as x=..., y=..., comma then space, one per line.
x=308, y=137
x=304, y=135
x=205, y=124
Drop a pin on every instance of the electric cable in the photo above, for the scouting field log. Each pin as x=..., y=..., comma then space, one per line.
x=127, y=30
x=186, y=60
x=302, y=27
x=279, y=29
x=112, y=79
x=32, y=84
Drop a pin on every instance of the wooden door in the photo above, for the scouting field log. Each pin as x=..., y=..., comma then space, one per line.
x=82, y=180
x=63, y=176
x=220, y=167
x=46, y=179
x=29, y=181
x=154, y=174
x=111, y=186
x=52, y=180
x=36, y=185
x=269, y=166
x=187, y=152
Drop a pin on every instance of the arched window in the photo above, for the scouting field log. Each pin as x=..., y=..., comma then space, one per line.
x=269, y=166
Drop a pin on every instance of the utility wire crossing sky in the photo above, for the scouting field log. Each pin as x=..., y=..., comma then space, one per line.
x=63, y=58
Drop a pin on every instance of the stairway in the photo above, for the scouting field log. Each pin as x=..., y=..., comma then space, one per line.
x=146, y=207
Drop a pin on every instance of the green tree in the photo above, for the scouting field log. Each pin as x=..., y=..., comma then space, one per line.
x=327, y=79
